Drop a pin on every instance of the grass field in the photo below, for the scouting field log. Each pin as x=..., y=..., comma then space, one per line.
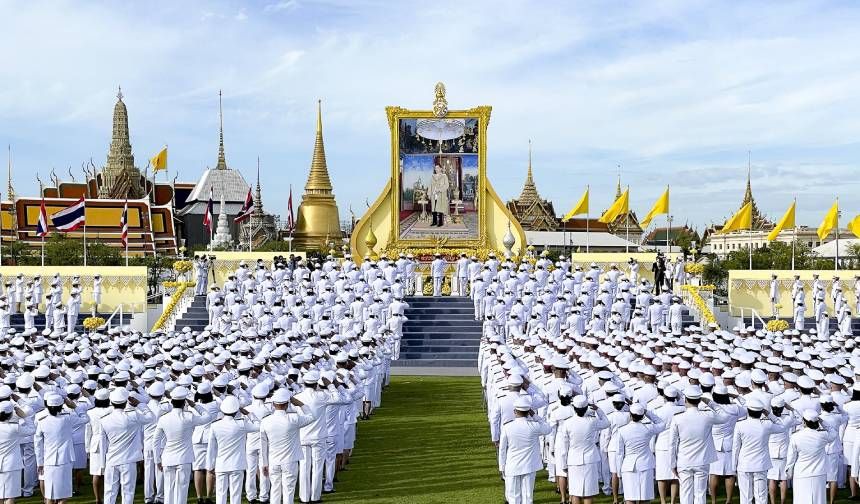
x=428, y=444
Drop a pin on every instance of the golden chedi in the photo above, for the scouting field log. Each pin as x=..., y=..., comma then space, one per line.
x=318, y=221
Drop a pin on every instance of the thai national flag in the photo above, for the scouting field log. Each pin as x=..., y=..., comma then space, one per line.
x=208, y=217
x=71, y=217
x=42, y=225
x=123, y=222
x=247, y=208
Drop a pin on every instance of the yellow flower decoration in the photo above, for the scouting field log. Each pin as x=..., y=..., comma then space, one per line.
x=93, y=323
x=776, y=325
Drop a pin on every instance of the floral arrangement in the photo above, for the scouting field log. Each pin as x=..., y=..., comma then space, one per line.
x=702, y=307
x=182, y=266
x=93, y=323
x=173, y=285
x=776, y=325
x=427, y=287
x=174, y=300
x=694, y=268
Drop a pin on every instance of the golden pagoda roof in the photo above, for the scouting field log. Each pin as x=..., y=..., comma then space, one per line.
x=318, y=178
x=529, y=194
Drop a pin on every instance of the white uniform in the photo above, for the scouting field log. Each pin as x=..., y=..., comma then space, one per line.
x=122, y=442
x=520, y=457
x=576, y=449
x=692, y=451
x=281, y=451
x=751, y=456
x=437, y=271
x=55, y=451
x=637, y=460
x=11, y=462
x=806, y=463
x=313, y=437
x=226, y=455
x=175, y=451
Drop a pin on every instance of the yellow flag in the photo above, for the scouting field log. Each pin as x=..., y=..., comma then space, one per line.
x=829, y=221
x=740, y=220
x=854, y=226
x=579, y=209
x=660, y=207
x=787, y=222
x=159, y=161
x=620, y=207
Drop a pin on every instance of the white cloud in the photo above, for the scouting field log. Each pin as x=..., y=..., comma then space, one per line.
x=282, y=5
x=675, y=92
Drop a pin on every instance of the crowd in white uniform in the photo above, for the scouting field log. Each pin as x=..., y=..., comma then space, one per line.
x=265, y=400
x=624, y=403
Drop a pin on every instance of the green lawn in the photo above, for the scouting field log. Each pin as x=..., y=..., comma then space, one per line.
x=428, y=444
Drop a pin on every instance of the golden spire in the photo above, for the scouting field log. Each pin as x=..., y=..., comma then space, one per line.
x=618, y=185
x=222, y=161
x=529, y=193
x=318, y=179
x=10, y=191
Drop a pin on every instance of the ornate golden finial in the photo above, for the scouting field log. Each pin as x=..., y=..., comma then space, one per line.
x=318, y=178
x=440, y=104
x=529, y=193
x=119, y=93
x=222, y=161
x=370, y=242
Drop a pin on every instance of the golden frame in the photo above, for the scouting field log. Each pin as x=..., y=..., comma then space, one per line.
x=395, y=114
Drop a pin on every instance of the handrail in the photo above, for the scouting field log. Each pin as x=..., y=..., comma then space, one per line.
x=115, y=310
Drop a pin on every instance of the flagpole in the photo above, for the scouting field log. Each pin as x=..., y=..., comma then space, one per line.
x=668, y=226
x=43, y=251
x=627, y=231
x=794, y=236
x=836, y=262
x=749, y=232
x=85, y=233
x=587, y=237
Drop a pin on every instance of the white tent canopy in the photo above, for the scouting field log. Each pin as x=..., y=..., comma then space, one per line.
x=829, y=249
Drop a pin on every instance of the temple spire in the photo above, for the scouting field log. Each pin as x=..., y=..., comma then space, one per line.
x=258, y=198
x=318, y=178
x=529, y=193
x=618, y=184
x=10, y=192
x=222, y=161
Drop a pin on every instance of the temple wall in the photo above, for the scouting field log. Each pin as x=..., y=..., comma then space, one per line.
x=751, y=289
x=120, y=284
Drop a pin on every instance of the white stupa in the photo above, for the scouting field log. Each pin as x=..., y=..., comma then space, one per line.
x=222, y=237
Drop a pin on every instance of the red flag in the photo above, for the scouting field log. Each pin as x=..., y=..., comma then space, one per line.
x=208, y=217
x=247, y=208
x=291, y=224
x=123, y=222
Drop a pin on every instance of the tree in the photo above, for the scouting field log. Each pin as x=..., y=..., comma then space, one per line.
x=63, y=251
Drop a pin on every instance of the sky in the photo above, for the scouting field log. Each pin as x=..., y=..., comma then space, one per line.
x=680, y=92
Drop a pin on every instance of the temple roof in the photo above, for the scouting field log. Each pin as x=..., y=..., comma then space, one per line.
x=529, y=194
x=759, y=221
x=226, y=181
x=532, y=211
x=319, y=181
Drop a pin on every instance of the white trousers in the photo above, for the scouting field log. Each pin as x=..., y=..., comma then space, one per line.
x=176, y=481
x=153, y=479
x=228, y=483
x=693, y=484
x=31, y=480
x=520, y=489
x=311, y=471
x=330, y=457
x=752, y=487
x=463, y=286
x=252, y=458
x=283, y=479
x=120, y=479
x=437, y=286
